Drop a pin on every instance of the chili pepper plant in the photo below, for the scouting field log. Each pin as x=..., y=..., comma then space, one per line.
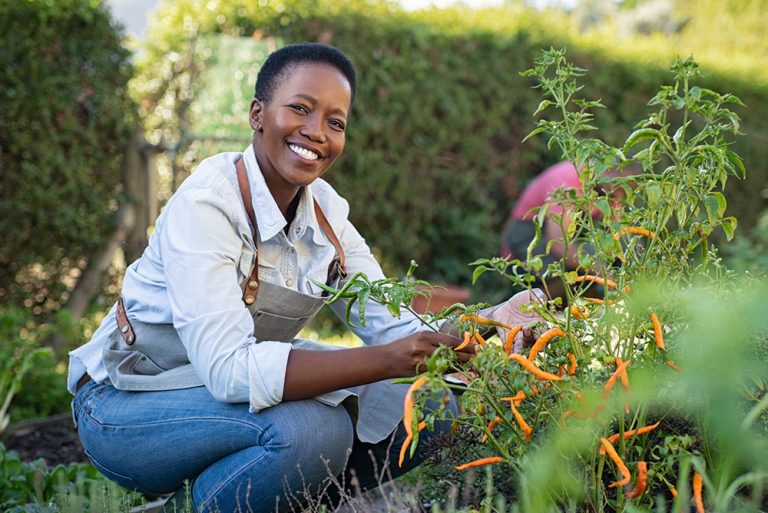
x=651, y=396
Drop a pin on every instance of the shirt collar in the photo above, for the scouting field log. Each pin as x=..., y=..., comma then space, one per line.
x=269, y=219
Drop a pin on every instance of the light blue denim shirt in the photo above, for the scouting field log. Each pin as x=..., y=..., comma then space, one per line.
x=200, y=251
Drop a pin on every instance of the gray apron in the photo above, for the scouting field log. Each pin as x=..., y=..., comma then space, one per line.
x=143, y=357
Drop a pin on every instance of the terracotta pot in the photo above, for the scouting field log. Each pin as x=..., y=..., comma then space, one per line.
x=443, y=295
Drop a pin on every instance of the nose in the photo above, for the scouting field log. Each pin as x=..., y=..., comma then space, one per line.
x=313, y=129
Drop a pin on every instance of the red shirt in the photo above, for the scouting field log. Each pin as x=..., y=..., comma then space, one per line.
x=539, y=191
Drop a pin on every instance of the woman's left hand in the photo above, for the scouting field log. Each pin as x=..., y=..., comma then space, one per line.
x=512, y=313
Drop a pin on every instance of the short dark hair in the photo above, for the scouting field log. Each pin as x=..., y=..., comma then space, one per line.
x=282, y=60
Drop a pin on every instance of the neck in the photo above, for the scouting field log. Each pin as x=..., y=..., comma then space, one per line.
x=290, y=213
x=282, y=192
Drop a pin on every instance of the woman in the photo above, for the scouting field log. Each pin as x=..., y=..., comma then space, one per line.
x=196, y=374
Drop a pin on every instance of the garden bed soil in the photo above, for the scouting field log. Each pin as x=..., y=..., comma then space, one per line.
x=53, y=439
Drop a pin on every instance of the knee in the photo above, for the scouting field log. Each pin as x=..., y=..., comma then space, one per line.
x=320, y=437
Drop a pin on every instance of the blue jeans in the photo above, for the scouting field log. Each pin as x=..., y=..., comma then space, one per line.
x=276, y=460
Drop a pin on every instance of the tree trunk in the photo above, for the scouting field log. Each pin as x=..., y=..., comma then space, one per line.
x=131, y=222
x=90, y=281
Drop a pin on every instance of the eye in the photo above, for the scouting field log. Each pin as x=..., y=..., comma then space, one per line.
x=337, y=124
x=299, y=108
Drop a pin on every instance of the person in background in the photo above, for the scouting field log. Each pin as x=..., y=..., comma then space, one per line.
x=196, y=374
x=520, y=231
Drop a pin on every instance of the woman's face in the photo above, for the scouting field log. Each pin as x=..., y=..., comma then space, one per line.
x=301, y=130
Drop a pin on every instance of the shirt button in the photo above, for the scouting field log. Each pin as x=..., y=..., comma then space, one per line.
x=289, y=282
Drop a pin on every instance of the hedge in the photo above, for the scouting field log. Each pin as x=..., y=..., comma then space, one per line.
x=434, y=155
x=64, y=125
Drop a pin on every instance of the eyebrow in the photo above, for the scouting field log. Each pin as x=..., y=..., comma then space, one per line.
x=313, y=101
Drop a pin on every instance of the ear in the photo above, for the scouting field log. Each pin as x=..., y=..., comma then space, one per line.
x=255, y=115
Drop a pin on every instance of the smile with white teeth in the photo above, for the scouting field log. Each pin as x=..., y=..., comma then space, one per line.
x=303, y=152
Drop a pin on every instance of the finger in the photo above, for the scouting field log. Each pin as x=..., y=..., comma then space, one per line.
x=517, y=345
x=528, y=337
x=464, y=357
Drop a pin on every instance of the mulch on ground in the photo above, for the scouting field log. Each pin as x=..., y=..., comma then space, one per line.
x=52, y=439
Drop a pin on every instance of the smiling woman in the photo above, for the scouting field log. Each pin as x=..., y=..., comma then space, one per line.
x=201, y=346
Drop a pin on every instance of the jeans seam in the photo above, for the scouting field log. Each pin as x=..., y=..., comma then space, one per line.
x=241, y=469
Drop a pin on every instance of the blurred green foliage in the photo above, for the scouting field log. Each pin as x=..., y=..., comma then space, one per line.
x=434, y=157
x=34, y=487
x=63, y=130
x=40, y=390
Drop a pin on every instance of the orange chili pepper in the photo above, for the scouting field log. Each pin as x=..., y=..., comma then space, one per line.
x=642, y=479
x=520, y=396
x=404, y=449
x=657, y=331
x=511, y=338
x=479, y=463
x=672, y=365
x=530, y=367
x=579, y=313
x=624, y=378
x=612, y=380
x=596, y=279
x=572, y=367
x=628, y=434
x=465, y=342
x=634, y=230
x=601, y=281
x=527, y=430
x=626, y=476
x=408, y=404
x=491, y=425
x=543, y=340
x=407, y=443
x=698, y=484
x=673, y=491
x=482, y=320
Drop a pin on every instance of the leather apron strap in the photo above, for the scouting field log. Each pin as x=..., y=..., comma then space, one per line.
x=336, y=269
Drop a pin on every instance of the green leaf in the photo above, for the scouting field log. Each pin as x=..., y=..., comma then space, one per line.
x=543, y=105
x=479, y=271
x=573, y=224
x=715, y=204
x=736, y=161
x=604, y=206
x=729, y=227
x=533, y=132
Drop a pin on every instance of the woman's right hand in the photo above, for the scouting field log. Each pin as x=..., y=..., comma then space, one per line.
x=408, y=353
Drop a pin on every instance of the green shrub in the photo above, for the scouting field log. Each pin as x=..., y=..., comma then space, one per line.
x=63, y=130
x=434, y=155
x=42, y=390
x=33, y=487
